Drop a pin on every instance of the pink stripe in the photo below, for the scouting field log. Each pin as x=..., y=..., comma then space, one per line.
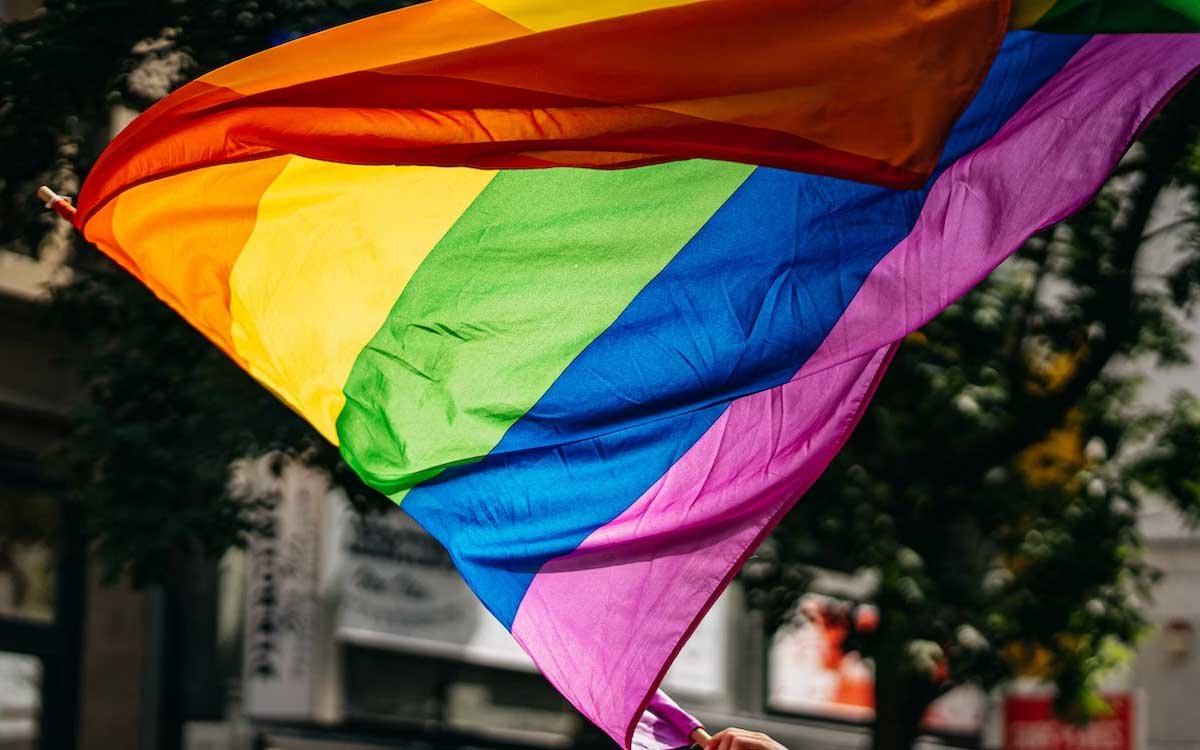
x=663, y=724
x=604, y=622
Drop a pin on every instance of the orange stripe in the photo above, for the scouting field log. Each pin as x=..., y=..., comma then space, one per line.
x=428, y=29
x=181, y=235
x=425, y=30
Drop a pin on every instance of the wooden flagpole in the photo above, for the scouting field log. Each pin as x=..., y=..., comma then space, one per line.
x=60, y=203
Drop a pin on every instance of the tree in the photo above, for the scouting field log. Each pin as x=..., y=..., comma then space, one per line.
x=992, y=487
x=165, y=412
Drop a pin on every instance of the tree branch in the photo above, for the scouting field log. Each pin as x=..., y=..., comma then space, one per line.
x=1045, y=412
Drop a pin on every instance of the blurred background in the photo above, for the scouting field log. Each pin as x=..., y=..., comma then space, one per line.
x=1003, y=556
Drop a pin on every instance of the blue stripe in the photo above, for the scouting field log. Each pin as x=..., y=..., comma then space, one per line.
x=738, y=310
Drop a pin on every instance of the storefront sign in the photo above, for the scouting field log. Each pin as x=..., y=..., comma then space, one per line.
x=399, y=590
x=1030, y=724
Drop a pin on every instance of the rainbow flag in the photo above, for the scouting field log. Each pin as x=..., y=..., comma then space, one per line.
x=601, y=388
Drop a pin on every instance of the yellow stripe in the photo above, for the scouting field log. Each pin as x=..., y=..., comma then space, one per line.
x=1025, y=13
x=333, y=247
x=541, y=15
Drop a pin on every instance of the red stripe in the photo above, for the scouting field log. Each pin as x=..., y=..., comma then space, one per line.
x=222, y=127
x=867, y=93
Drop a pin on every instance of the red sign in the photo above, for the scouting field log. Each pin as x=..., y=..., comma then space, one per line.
x=1030, y=724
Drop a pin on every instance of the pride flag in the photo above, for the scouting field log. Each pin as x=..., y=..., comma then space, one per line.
x=600, y=388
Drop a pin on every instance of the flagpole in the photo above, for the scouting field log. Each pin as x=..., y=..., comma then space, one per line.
x=700, y=737
x=60, y=203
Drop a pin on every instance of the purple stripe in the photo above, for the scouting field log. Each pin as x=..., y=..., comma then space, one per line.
x=663, y=724
x=604, y=621
x=653, y=569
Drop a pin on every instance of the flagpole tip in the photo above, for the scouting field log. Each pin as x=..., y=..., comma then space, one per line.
x=60, y=203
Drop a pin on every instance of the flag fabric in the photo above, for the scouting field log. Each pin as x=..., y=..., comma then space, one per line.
x=599, y=389
x=532, y=83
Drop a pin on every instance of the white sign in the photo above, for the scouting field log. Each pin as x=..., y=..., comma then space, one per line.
x=400, y=590
x=283, y=638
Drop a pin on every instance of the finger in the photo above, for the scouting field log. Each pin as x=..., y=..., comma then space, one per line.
x=714, y=742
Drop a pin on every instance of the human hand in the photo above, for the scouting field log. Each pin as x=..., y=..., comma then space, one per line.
x=741, y=739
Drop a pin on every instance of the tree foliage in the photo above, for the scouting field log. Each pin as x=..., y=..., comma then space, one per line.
x=165, y=412
x=993, y=486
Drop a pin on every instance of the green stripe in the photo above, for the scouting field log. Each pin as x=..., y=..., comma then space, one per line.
x=538, y=266
x=1115, y=16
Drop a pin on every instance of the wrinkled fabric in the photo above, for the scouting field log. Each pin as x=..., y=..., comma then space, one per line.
x=599, y=389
